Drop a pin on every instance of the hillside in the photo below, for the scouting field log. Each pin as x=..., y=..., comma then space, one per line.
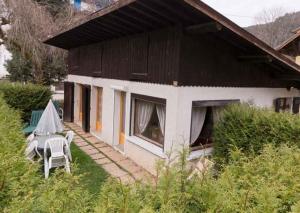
x=276, y=32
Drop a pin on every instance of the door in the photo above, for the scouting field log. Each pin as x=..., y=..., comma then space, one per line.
x=119, y=119
x=68, y=102
x=86, y=106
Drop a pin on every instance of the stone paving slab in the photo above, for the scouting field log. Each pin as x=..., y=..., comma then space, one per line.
x=100, y=145
x=91, y=151
x=106, y=149
x=88, y=147
x=97, y=156
x=115, y=156
x=130, y=166
x=113, y=162
x=81, y=144
x=103, y=161
x=94, y=140
x=114, y=170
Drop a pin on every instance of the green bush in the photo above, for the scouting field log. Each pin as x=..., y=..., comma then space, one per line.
x=265, y=183
x=25, y=97
x=249, y=129
x=22, y=185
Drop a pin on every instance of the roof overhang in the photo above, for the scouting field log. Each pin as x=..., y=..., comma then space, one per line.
x=128, y=17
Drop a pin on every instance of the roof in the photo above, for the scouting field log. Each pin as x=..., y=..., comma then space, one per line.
x=128, y=17
x=288, y=41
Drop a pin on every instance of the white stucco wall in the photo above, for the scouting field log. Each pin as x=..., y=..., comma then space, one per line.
x=178, y=111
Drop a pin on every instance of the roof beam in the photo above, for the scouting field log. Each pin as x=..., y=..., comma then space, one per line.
x=210, y=27
x=123, y=20
x=176, y=12
x=136, y=18
x=158, y=13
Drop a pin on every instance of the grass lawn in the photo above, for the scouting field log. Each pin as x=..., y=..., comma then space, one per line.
x=95, y=175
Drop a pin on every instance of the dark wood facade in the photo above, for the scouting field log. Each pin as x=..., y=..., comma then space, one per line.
x=149, y=57
x=208, y=60
x=171, y=55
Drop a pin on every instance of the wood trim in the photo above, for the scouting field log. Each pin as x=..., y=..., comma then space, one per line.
x=99, y=109
x=214, y=103
x=149, y=140
x=133, y=112
x=201, y=147
x=149, y=98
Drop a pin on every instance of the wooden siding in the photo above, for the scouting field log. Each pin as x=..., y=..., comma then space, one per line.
x=150, y=57
x=207, y=60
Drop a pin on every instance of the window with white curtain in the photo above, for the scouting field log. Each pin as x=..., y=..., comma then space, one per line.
x=149, y=119
x=205, y=114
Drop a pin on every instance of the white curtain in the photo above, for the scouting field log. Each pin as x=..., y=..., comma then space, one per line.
x=198, y=118
x=144, y=112
x=161, y=114
x=217, y=114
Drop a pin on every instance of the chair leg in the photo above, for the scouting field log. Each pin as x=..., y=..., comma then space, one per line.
x=46, y=168
x=67, y=166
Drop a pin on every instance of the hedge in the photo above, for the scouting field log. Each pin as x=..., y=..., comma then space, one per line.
x=268, y=182
x=248, y=128
x=22, y=185
x=25, y=97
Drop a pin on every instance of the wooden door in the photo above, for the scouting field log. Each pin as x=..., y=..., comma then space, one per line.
x=68, y=102
x=86, y=106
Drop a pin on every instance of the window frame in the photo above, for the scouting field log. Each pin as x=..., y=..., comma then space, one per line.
x=208, y=103
x=151, y=99
x=99, y=91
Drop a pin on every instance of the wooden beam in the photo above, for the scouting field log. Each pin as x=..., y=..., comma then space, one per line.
x=158, y=13
x=210, y=27
x=136, y=19
x=256, y=58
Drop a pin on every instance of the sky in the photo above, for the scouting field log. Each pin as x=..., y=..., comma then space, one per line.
x=242, y=12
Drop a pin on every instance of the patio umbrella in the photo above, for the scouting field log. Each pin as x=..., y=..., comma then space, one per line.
x=50, y=121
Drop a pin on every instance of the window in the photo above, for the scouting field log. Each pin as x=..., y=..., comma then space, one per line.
x=205, y=114
x=98, y=109
x=149, y=115
x=283, y=104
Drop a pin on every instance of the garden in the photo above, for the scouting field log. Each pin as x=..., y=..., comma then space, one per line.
x=256, y=165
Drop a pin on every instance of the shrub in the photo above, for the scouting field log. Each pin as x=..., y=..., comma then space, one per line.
x=25, y=97
x=249, y=129
x=22, y=186
x=265, y=183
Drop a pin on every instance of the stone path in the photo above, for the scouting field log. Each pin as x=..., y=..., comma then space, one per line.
x=112, y=161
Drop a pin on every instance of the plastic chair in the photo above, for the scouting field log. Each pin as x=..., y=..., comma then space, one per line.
x=30, y=138
x=34, y=120
x=57, y=157
x=69, y=137
x=31, y=151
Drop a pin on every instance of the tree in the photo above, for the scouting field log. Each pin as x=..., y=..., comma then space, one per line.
x=32, y=23
x=274, y=26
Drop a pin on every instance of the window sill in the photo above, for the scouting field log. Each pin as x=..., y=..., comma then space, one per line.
x=156, y=150
x=200, y=153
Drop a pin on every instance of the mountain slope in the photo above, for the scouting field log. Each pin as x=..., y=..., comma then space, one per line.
x=276, y=32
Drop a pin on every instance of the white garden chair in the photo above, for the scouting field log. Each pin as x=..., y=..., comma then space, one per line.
x=31, y=151
x=57, y=157
x=69, y=137
x=30, y=138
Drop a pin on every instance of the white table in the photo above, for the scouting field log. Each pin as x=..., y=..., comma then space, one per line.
x=42, y=140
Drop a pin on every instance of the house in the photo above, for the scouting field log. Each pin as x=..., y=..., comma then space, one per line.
x=291, y=47
x=146, y=76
